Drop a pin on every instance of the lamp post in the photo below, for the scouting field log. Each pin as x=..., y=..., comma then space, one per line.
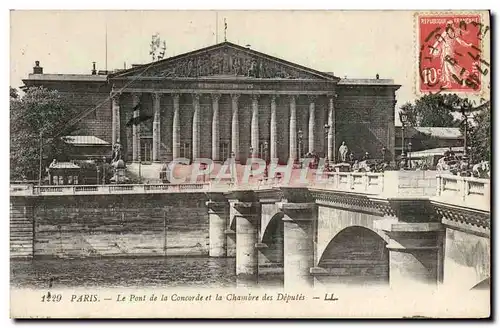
x=404, y=119
x=104, y=170
x=327, y=128
x=409, y=155
x=203, y=166
x=300, y=135
x=266, y=146
x=233, y=166
x=40, y=164
x=98, y=170
x=466, y=130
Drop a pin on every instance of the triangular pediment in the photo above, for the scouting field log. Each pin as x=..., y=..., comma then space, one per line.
x=224, y=60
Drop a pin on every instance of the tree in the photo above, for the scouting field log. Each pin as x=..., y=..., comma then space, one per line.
x=434, y=110
x=479, y=136
x=13, y=93
x=37, y=118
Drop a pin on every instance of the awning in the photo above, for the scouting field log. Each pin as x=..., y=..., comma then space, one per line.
x=85, y=141
x=435, y=152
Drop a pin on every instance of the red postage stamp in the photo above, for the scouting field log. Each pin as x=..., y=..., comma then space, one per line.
x=450, y=53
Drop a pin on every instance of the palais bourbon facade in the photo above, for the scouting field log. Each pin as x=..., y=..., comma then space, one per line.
x=226, y=99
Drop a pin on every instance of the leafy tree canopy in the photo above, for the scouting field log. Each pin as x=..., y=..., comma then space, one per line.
x=436, y=110
x=40, y=115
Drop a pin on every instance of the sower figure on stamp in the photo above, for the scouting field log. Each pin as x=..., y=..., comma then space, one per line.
x=343, y=150
x=445, y=47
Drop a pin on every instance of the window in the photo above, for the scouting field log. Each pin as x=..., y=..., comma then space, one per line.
x=224, y=152
x=263, y=152
x=146, y=149
x=301, y=151
x=186, y=149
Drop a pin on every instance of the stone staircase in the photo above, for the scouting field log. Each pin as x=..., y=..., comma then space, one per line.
x=21, y=231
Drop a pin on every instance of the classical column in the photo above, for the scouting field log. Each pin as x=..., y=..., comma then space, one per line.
x=156, y=127
x=293, y=129
x=115, y=118
x=215, y=127
x=176, y=128
x=136, y=129
x=247, y=215
x=218, y=216
x=255, y=125
x=298, y=244
x=274, y=129
x=312, y=118
x=196, y=126
x=331, y=133
x=235, y=129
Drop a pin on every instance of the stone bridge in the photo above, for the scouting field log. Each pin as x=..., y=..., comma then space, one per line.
x=395, y=228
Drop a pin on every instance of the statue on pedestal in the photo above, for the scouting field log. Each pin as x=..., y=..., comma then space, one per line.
x=343, y=150
x=117, y=152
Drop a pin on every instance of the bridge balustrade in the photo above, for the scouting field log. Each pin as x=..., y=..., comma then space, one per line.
x=467, y=191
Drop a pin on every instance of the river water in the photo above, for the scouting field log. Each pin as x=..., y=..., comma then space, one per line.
x=136, y=272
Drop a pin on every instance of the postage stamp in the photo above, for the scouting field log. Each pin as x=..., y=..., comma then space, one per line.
x=450, y=53
x=186, y=166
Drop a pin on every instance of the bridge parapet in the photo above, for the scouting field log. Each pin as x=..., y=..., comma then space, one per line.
x=463, y=191
x=372, y=183
x=30, y=190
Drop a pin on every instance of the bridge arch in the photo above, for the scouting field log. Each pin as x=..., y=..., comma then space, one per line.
x=272, y=240
x=273, y=226
x=356, y=255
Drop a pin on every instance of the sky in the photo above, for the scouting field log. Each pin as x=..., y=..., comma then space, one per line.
x=356, y=44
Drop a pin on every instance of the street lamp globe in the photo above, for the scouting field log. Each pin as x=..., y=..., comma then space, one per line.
x=403, y=117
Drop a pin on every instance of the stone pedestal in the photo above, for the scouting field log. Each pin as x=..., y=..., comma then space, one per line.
x=218, y=215
x=298, y=244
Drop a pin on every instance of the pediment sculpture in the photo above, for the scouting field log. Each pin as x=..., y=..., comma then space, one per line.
x=229, y=62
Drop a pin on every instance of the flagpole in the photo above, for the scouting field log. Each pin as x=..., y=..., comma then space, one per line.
x=216, y=27
x=40, y=164
x=225, y=29
x=106, y=45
